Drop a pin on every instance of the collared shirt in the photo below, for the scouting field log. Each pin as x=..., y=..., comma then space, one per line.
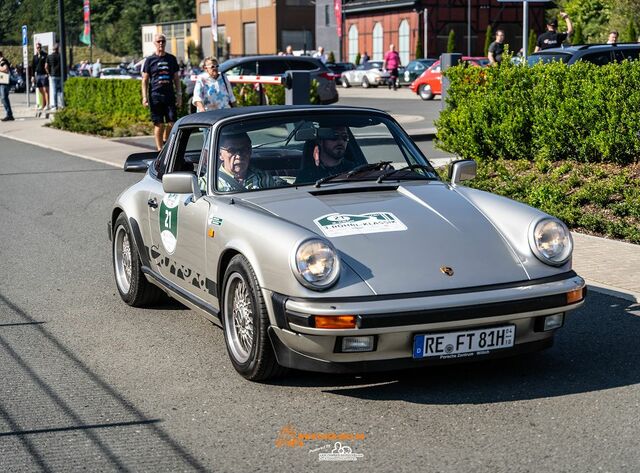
x=254, y=179
x=213, y=93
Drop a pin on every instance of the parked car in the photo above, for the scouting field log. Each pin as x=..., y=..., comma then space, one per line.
x=278, y=65
x=413, y=70
x=338, y=68
x=599, y=54
x=115, y=73
x=369, y=74
x=381, y=265
x=429, y=83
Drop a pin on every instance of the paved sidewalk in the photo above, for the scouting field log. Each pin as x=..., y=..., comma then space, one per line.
x=608, y=266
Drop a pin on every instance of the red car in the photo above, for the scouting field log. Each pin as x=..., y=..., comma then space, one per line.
x=430, y=82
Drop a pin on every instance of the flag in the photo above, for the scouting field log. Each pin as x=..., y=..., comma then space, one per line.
x=337, y=9
x=85, y=36
x=213, y=6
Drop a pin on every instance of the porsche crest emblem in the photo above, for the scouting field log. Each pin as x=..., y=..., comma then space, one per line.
x=446, y=270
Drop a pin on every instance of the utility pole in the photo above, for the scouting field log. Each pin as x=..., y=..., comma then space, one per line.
x=468, y=27
x=525, y=29
x=425, y=52
x=62, y=42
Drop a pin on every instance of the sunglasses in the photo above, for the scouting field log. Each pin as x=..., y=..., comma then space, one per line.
x=339, y=136
x=213, y=66
x=236, y=151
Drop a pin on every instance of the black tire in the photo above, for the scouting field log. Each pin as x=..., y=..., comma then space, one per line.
x=365, y=82
x=345, y=83
x=134, y=290
x=425, y=93
x=256, y=362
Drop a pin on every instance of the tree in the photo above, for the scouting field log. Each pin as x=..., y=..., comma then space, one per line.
x=451, y=42
x=357, y=59
x=331, y=58
x=488, y=38
x=577, y=37
x=531, y=47
x=630, y=34
x=419, y=49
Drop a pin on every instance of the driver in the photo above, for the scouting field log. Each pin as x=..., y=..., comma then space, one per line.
x=328, y=156
x=235, y=172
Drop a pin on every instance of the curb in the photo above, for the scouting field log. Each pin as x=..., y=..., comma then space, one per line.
x=602, y=288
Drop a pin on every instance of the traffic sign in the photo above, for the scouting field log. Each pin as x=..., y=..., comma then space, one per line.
x=24, y=35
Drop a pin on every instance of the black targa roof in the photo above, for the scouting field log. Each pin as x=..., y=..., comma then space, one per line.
x=214, y=116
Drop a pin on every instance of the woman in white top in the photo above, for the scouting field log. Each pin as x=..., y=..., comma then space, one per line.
x=212, y=90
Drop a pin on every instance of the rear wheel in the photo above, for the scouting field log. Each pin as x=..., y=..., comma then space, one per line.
x=132, y=285
x=345, y=83
x=425, y=93
x=365, y=82
x=246, y=321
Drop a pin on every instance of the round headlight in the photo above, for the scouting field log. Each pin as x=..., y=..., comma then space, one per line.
x=551, y=241
x=316, y=264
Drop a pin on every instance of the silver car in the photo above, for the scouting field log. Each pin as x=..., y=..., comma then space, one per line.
x=320, y=238
x=369, y=74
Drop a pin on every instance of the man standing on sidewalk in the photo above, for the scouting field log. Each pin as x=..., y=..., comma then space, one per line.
x=40, y=79
x=551, y=38
x=161, y=90
x=496, y=49
x=5, y=67
x=54, y=69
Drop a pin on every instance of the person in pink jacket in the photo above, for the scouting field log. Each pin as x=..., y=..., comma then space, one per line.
x=391, y=65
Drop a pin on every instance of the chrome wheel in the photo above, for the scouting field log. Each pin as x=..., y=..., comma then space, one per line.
x=122, y=259
x=239, y=317
x=424, y=91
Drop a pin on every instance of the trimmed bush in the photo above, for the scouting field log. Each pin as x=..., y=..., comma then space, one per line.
x=548, y=112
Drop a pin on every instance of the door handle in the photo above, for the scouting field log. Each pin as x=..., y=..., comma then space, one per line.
x=153, y=203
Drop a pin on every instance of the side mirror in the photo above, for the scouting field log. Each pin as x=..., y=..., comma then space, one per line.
x=139, y=162
x=181, y=183
x=462, y=170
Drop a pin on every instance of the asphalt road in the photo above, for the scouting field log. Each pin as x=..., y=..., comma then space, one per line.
x=89, y=383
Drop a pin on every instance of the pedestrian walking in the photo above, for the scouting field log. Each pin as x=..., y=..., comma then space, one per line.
x=391, y=64
x=496, y=49
x=5, y=67
x=213, y=90
x=161, y=90
x=54, y=70
x=319, y=54
x=551, y=38
x=40, y=78
x=96, y=69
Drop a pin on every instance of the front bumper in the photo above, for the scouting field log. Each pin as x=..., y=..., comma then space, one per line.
x=395, y=321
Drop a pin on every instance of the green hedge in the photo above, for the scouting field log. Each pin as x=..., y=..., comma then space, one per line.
x=114, y=107
x=553, y=112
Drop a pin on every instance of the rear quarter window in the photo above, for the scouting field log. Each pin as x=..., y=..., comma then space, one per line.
x=600, y=58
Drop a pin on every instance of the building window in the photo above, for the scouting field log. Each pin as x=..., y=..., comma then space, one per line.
x=403, y=42
x=378, y=46
x=222, y=50
x=327, y=17
x=250, y=39
x=300, y=40
x=353, y=43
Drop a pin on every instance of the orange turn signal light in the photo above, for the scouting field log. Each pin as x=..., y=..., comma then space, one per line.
x=575, y=296
x=335, y=321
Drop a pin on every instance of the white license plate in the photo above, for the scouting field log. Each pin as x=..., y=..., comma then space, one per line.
x=462, y=344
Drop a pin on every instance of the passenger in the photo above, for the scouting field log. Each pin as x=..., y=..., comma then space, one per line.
x=328, y=157
x=235, y=172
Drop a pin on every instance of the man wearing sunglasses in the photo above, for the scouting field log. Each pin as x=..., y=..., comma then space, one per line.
x=161, y=90
x=328, y=155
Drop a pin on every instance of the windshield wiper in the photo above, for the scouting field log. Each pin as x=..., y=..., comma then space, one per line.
x=357, y=170
x=411, y=167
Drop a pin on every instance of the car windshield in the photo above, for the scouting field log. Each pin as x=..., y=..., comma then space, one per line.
x=296, y=150
x=546, y=58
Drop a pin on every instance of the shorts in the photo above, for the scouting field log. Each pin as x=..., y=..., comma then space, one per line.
x=42, y=80
x=163, y=110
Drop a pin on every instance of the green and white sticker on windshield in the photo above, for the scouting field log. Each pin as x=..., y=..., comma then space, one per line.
x=337, y=224
x=168, y=217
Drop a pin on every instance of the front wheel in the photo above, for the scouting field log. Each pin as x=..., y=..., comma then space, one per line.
x=425, y=93
x=245, y=322
x=365, y=82
x=345, y=83
x=132, y=285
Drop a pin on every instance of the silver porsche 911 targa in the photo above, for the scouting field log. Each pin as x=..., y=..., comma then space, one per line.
x=322, y=239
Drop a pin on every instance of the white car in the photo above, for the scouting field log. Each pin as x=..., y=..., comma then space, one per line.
x=114, y=73
x=369, y=74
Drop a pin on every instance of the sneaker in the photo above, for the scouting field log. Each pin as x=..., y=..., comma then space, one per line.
x=7, y=119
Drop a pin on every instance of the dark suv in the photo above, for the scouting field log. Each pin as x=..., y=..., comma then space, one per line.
x=599, y=54
x=278, y=65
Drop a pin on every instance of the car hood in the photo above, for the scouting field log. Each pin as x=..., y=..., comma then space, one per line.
x=402, y=238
